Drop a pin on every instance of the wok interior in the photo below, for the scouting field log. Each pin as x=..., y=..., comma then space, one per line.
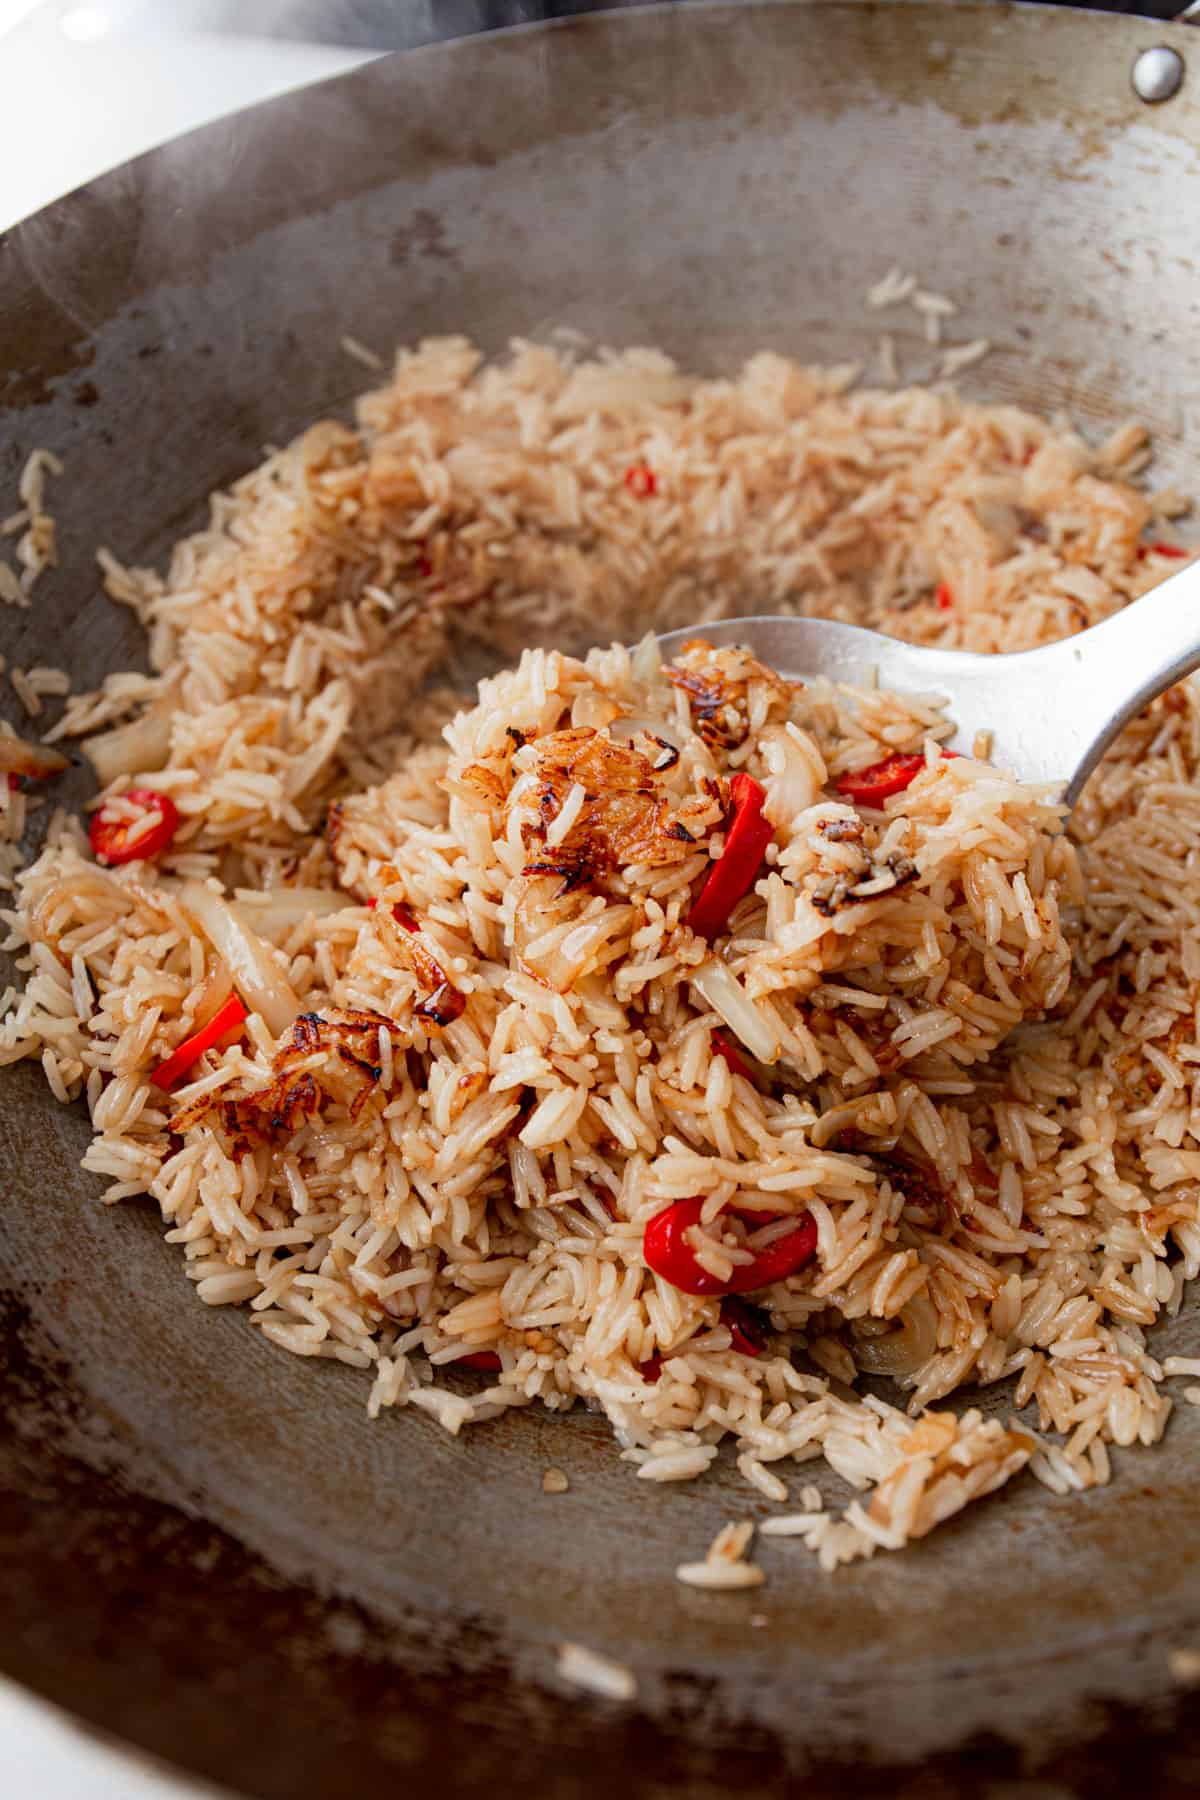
x=711, y=183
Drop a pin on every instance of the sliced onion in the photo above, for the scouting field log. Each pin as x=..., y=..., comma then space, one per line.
x=716, y=983
x=83, y=882
x=622, y=730
x=37, y=762
x=276, y=910
x=792, y=784
x=582, y=943
x=592, y=708
x=646, y=662
x=904, y=1351
x=213, y=995
x=554, y=947
x=138, y=748
x=999, y=520
x=251, y=962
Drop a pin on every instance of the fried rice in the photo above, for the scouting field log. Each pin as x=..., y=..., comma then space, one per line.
x=478, y=1049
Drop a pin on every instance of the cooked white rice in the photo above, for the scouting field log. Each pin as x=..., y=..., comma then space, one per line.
x=979, y=1033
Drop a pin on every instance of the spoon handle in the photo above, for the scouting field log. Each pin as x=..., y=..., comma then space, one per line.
x=1110, y=672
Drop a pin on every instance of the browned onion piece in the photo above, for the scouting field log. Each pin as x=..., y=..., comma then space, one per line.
x=272, y=911
x=256, y=974
x=720, y=988
x=625, y=729
x=36, y=762
x=137, y=748
x=901, y=1352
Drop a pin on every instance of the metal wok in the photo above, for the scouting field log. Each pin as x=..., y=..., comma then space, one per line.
x=205, y=1548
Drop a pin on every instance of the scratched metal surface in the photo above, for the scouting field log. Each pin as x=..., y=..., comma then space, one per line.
x=204, y=1546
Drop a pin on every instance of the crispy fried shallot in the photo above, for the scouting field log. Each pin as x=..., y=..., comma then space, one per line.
x=717, y=684
x=622, y=815
x=440, y=1002
x=325, y=1059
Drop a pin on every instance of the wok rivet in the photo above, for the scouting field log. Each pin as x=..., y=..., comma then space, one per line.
x=1157, y=74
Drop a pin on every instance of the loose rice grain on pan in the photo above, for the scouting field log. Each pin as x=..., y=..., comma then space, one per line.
x=1184, y=1665
x=360, y=352
x=959, y=357
x=946, y=1045
x=725, y=1566
x=584, y=1668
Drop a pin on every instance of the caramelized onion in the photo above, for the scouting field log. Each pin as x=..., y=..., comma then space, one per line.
x=646, y=662
x=251, y=962
x=716, y=983
x=84, y=882
x=36, y=762
x=904, y=1351
x=275, y=910
x=624, y=730
x=792, y=783
x=573, y=949
x=138, y=748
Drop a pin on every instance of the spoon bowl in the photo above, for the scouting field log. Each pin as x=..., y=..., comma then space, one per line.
x=1051, y=712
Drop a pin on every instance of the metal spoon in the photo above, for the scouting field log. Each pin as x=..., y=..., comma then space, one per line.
x=1051, y=712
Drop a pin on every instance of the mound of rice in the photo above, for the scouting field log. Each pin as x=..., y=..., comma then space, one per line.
x=485, y=1047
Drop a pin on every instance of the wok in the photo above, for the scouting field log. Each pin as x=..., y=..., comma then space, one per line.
x=205, y=1548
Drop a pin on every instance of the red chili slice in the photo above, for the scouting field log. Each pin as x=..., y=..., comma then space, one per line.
x=871, y=787
x=226, y=1019
x=944, y=596
x=1160, y=549
x=748, y=1326
x=781, y=1258
x=735, y=870
x=110, y=837
x=651, y=1369
x=731, y=1055
x=669, y=1254
x=487, y=1360
x=641, y=480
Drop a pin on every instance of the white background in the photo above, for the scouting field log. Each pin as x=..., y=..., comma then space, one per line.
x=84, y=90
x=43, y=1756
